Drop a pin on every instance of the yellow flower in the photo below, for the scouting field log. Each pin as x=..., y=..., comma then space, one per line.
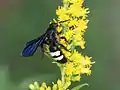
x=75, y=9
x=75, y=56
x=83, y=24
x=76, y=78
x=68, y=34
x=63, y=17
x=69, y=68
x=68, y=78
x=31, y=86
x=86, y=70
x=41, y=88
x=75, y=1
x=44, y=85
x=63, y=42
x=73, y=22
x=66, y=53
x=61, y=12
x=54, y=87
x=48, y=88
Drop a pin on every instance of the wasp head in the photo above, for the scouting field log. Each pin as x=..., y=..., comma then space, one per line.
x=53, y=25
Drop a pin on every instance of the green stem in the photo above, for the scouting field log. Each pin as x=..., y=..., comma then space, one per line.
x=62, y=76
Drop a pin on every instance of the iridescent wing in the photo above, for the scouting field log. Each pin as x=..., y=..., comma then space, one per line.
x=31, y=46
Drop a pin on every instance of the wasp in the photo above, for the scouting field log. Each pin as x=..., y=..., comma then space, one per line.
x=49, y=38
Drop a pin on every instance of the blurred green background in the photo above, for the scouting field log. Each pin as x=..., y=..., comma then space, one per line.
x=23, y=20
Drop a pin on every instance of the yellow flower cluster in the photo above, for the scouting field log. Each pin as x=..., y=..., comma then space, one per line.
x=57, y=86
x=73, y=30
x=77, y=65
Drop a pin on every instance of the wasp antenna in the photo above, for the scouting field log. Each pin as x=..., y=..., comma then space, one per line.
x=54, y=20
x=64, y=21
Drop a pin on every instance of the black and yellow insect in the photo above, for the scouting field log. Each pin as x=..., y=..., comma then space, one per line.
x=49, y=38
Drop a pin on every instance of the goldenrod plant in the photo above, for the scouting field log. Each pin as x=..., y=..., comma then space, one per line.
x=75, y=16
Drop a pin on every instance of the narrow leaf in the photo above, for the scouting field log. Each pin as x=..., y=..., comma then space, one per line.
x=79, y=86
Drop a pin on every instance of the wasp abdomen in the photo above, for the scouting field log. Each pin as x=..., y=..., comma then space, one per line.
x=57, y=55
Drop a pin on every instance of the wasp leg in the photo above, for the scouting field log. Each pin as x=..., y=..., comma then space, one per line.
x=42, y=51
x=63, y=47
x=63, y=38
x=59, y=32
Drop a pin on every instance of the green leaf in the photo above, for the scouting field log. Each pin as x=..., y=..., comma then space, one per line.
x=79, y=86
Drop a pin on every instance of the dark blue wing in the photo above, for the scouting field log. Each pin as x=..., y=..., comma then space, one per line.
x=32, y=46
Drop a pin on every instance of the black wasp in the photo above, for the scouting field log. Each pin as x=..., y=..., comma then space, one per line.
x=50, y=38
